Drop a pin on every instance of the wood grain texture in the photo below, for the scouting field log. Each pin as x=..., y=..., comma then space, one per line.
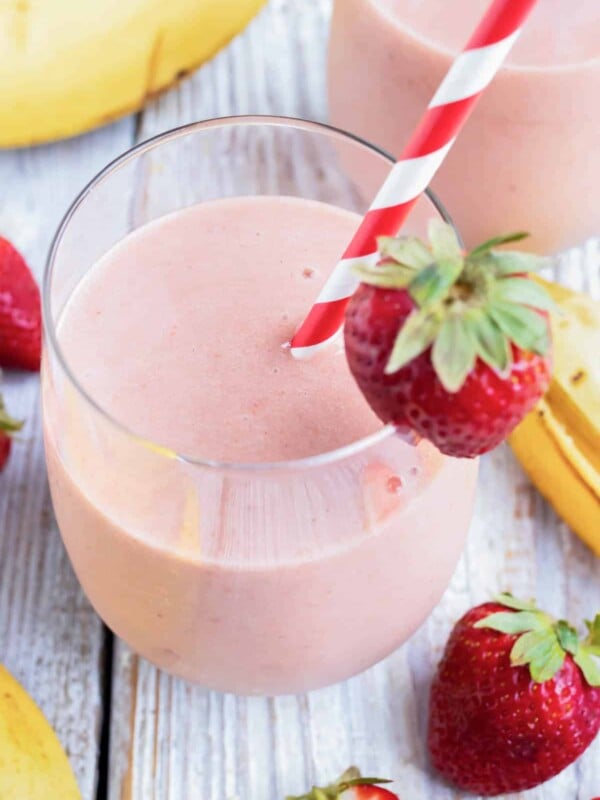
x=49, y=636
x=171, y=740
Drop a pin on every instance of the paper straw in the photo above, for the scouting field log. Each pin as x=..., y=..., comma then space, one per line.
x=467, y=78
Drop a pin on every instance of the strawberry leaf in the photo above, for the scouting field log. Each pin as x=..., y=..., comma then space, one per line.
x=510, y=601
x=524, y=292
x=386, y=276
x=415, y=336
x=444, y=241
x=497, y=241
x=545, y=669
x=525, y=327
x=519, y=622
x=453, y=355
x=406, y=250
x=512, y=262
x=532, y=644
x=352, y=777
x=567, y=637
x=8, y=424
x=593, y=641
x=491, y=344
x=433, y=282
x=589, y=667
x=351, y=774
x=540, y=651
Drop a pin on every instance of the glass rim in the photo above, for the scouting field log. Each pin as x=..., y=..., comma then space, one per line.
x=537, y=68
x=49, y=326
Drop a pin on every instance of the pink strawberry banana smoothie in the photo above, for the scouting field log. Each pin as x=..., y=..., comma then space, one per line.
x=265, y=578
x=527, y=158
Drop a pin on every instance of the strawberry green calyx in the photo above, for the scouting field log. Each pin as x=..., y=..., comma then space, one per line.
x=349, y=779
x=593, y=639
x=7, y=423
x=543, y=642
x=467, y=305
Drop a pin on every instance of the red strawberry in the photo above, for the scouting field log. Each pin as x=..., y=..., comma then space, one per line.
x=351, y=786
x=454, y=347
x=5, y=445
x=8, y=426
x=20, y=312
x=515, y=700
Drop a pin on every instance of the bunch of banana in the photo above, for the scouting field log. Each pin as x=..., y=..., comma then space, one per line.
x=33, y=765
x=558, y=444
x=69, y=66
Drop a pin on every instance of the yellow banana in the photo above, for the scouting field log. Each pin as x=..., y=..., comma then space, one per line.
x=558, y=444
x=33, y=765
x=69, y=66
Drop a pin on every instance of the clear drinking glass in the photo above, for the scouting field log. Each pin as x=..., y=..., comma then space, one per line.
x=252, y=578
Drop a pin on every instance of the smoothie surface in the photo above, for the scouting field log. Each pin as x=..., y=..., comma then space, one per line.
x=179, y=332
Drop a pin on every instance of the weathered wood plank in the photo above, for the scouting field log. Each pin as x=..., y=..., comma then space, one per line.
x=171, y=740
x=49, y=636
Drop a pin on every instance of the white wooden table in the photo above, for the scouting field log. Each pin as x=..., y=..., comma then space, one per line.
x=134, y=733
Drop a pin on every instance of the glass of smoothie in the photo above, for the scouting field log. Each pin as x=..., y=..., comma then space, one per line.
x=240, y=518
x=528, y=158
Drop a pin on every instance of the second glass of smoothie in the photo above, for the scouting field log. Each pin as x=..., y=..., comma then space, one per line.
x=528, y=158
x=240, y=518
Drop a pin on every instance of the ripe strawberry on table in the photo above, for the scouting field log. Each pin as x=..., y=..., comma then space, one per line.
x=515, y=700
x=8, y=426
x=20, y=312
x=453, y=346
x=350, y=786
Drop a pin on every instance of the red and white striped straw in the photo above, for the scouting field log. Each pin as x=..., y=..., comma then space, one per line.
x=467, y=78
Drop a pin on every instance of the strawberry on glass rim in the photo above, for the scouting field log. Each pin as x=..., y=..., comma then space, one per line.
x=350, y=786
x=452, y=346
x=516, y=698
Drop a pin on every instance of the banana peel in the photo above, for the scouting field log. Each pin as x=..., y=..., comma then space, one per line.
x=70, y=66
x=33, y=765
x=558, y=444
